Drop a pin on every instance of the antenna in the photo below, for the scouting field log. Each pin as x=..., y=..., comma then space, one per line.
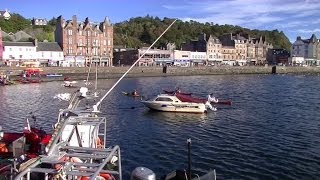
x=95, y=107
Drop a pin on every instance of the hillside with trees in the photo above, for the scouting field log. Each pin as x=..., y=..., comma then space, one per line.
x=142, y=31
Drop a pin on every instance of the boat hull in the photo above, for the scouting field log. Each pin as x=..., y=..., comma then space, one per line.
x=179, y=107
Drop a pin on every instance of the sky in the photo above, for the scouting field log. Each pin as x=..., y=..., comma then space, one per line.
x=293, y=17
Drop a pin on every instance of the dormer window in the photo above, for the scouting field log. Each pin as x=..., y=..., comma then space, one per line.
x=70, y=32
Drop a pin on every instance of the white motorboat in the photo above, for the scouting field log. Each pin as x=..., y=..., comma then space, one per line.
x=170, y=103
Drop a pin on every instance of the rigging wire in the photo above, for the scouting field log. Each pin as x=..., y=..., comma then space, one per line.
x=95, y=107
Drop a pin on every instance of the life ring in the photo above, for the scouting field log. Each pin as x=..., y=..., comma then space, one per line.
x=3, y=148
x=99, y=143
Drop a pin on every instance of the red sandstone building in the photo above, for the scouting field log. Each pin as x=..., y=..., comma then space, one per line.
x=85, y=42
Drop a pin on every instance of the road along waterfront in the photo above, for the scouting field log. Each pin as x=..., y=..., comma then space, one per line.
x=77, y=73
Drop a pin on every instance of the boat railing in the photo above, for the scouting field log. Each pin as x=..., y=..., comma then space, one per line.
x=66, y=141
x=90, y=162
x=92, y=121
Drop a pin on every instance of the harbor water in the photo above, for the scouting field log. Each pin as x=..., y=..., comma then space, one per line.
x=271, y=131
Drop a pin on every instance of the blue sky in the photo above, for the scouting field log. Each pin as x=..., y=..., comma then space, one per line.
x=293, y=17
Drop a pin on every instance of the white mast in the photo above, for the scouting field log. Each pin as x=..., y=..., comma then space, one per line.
x=95, y=107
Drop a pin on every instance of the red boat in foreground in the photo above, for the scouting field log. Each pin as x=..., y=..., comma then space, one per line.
x=21, y=146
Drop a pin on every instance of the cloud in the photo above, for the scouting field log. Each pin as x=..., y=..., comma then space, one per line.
x=293, y=17
x=309, y=30
x=250, y=13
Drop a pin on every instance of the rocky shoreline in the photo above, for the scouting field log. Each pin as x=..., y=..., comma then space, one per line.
x=77, y=73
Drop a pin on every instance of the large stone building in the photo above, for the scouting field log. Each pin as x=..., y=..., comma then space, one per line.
x=236, y=50
x=306, y=51
x=85, y=42
x=214, y=48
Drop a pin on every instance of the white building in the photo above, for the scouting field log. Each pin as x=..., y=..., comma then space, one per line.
x=18, y=53
x=198, y=58
x=15, y=53
x=49, y=53
x=5, y=14
x=181, y=58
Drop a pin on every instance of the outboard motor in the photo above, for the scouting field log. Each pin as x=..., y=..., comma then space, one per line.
x=142, y=173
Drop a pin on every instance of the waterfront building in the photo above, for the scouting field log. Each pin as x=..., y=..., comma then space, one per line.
x=125, y=56
x=181, y=58
x=39, y=21
x=85, y=42
x=5, y=14
x=229, y=55
x=198, y=58
x=214, y=51
x=49, y=54
x=19, y=53
x=306, y=51
x=154, y=57
x=16, y=53
x=278, y=56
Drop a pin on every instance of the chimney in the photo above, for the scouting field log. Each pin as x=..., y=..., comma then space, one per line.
x=74, y=19
x=35, y=42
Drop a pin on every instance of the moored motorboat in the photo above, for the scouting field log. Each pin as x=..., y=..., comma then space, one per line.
x=170, y=103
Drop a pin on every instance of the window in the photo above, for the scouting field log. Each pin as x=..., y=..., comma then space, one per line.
x=69, y=50
x=70, y=41
x=164, y=99
x=109, y=42
x=105, y=42
x=88, y=33
x=20, y=56
x=185, y=56
x=70, y=32
x=80, y=33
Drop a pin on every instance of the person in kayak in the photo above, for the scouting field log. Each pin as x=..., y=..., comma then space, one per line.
x=135, y=93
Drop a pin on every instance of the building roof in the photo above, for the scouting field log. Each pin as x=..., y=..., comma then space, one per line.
x=21, y=35
x=8, y=43
x=48, y=46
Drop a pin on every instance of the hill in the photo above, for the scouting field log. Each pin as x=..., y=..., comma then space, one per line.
x=142, y=31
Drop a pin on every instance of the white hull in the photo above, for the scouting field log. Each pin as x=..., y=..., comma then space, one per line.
x=175, y=106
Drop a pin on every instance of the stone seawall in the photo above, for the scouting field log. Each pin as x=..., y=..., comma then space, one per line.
x=116, y=72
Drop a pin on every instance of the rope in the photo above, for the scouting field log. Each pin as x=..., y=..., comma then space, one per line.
x=95, y=107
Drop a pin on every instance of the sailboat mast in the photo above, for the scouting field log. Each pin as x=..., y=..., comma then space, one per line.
x=95, y=107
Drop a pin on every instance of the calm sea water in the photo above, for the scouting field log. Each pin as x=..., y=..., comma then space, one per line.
x=272, y=130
